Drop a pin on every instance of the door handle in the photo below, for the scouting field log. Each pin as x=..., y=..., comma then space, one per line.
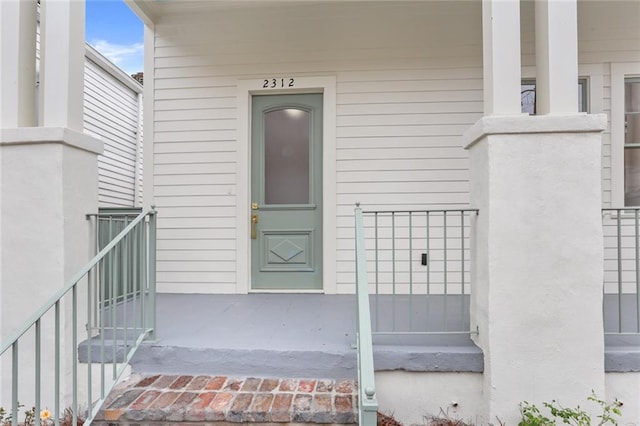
x=254, y=226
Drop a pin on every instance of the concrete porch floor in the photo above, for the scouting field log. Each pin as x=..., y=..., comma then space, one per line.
x=283, y=335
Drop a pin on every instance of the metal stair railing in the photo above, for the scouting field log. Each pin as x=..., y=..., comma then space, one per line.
x=368, y=403
x=129, y=262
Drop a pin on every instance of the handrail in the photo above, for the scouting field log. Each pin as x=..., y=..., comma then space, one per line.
x=127, y=260
x=368, y=406
x=72, y=282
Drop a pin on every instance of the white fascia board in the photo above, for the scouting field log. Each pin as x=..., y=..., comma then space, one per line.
x=112, y=69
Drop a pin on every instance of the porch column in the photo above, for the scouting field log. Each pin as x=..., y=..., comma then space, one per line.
x=18, y=64
x=537, y=250
x=501, y=50
x=556, y=56
x=62, y=50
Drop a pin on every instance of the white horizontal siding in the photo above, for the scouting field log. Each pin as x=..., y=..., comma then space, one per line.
x=398, y=125
x=409, y=83
x=111, y=113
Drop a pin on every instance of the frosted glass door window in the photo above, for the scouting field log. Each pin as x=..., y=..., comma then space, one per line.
x=286, y=156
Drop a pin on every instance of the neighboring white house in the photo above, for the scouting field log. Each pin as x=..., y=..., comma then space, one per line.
x=113, y=112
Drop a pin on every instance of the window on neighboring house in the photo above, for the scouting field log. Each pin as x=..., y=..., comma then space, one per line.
x=632, y=141
x=528, y=96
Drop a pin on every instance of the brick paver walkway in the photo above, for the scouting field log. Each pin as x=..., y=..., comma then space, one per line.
x=205, y=399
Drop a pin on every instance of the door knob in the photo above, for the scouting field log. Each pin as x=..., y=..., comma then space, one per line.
x=254, y=226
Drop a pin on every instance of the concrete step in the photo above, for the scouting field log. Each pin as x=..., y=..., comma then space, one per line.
x=196, y=400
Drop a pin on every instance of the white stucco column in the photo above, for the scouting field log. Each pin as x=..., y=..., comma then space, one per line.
x=18, y=63
x=501, y=56
x=556, y=56
x=62, y=63
x=537, y=267
x=538, y=259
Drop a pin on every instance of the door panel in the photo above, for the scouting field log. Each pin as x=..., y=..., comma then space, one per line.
x=286, y=191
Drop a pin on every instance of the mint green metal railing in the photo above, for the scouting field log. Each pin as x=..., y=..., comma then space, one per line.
x=421, y=268
x=368, y=404
x=122, y=322
x=621, y=310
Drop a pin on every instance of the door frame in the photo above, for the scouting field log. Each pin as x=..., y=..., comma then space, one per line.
x=246, y=88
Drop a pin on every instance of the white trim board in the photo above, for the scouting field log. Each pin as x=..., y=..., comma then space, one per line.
x=245, y=89
x=619, y=72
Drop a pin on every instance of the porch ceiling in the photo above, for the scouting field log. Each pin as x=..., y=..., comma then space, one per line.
x=152, y=11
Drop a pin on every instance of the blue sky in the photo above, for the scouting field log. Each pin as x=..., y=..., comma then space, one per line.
x=116, y=32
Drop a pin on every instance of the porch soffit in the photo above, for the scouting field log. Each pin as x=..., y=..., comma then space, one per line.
x=151, y=11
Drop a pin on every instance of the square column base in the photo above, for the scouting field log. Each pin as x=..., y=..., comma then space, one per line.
x=538, y=260
x=48, y=183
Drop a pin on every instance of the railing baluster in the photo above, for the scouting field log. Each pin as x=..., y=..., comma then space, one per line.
x=14, y=383
x=89, y=336
x=446, y=290
x=377, y=269
x=152, y=272
x=125, y=284
x=462, y=310
x=619, y=237
x=135, y=283
x=56, y=410
x=393, y=268
x=74, y=358
x=637, y=244
x=410, y=273
x=112, y=308
x=428, y=273
x=38, y=374
x=103, y=298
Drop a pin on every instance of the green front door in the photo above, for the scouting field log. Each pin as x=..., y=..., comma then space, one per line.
x=286, y=192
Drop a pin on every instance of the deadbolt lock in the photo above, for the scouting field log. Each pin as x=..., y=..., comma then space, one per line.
x=254, y=206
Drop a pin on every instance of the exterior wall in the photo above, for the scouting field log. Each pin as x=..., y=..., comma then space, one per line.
x=408, y=84
x=403, y=98
x=412, y=397
x=112, y=112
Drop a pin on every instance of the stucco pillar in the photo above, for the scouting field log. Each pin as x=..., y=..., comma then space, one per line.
x=18, y=63
x=538, y=259
x=501, y=52
x=556, y=56
x=62, y=63
x=537, y=267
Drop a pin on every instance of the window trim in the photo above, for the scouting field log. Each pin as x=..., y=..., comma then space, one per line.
x=619, y=72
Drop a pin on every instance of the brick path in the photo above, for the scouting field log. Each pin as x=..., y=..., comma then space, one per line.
x=205, y=399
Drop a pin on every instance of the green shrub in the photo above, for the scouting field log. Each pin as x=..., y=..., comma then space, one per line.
x=533, y=416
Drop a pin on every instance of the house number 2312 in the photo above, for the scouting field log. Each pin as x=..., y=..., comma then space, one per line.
x=272, y=83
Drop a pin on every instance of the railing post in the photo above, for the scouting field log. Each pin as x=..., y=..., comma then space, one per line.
x=152, y=272
x=368, y=404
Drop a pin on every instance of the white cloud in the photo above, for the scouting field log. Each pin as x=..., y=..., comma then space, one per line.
x=126, y=56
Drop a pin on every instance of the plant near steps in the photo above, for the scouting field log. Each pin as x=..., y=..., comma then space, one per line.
x=533, y=416
x=46, y=417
